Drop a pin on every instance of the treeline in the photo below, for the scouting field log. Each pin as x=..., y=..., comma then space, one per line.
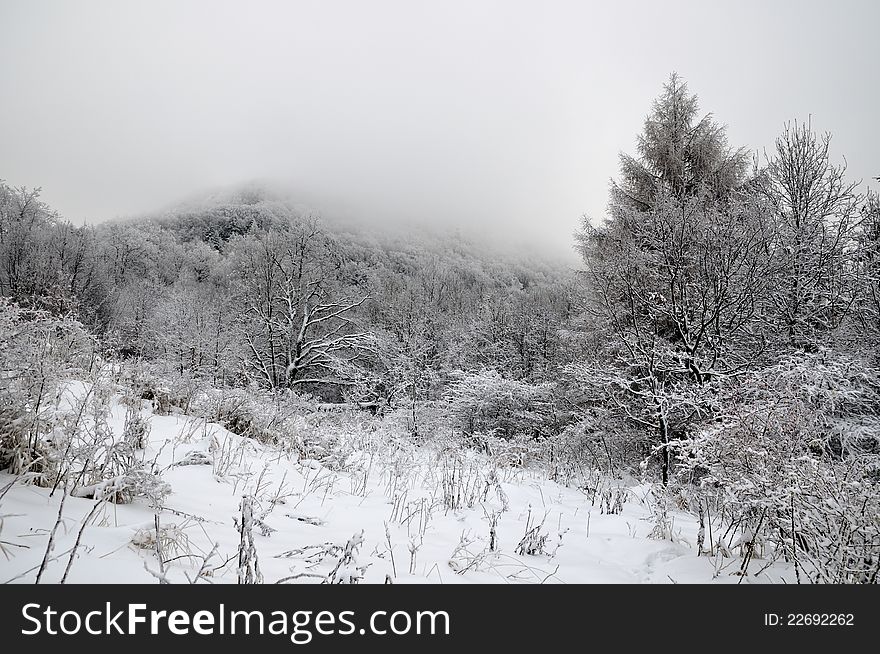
x=248, y=291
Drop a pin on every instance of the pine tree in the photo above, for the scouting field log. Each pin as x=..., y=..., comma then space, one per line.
x=674, y=272
x=678, y=154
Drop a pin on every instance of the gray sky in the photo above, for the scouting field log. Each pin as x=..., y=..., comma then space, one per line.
x=504, y=117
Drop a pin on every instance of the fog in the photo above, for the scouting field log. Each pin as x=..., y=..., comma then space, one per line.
x=501, y=118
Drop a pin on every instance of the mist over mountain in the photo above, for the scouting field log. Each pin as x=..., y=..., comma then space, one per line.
x=267, y=196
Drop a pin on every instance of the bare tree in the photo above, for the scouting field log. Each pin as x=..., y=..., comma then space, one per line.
x=816, y=213
x=867, y=311
x=297, y=327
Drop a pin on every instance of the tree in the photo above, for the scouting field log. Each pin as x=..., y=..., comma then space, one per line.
x=866, y=309
x=675, y=275
x=816, y=214
x=47, y=263
x=297, y=328
x=679, y=315
x=678, y=155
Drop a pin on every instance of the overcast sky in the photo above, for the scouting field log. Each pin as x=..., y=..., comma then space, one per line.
x=505, y=117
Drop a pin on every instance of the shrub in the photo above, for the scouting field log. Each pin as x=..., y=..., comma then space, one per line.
x=792, y=462
x=485, y=402
x=37, y=352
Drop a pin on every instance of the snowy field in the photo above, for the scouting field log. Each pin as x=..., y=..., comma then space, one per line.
x=372, y=507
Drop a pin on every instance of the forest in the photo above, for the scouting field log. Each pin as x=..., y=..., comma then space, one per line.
x=710, y=371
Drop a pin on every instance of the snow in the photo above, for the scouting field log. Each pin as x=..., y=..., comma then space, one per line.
x=310, y=517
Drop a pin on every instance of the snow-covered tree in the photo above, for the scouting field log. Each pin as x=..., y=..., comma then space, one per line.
x=679, y=307
x=816, y=216
x=866, y=312
x=295, y=317
x=679, y=154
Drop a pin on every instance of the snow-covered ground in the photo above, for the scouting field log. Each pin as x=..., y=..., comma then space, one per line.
x=425, y=515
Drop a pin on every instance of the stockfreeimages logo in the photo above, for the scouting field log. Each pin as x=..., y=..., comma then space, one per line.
x=299, y=626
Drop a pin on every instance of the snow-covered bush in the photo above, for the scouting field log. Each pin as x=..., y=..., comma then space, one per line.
x=136, y=429
x=264, y=416
x=166, y=388
x=125, y=488
x=592, y=444
x=327, y=433
x=171, y=539
x=485, y=402
x=534, y=540
x=425, y=421
x=793, y=461
x=37, y=353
